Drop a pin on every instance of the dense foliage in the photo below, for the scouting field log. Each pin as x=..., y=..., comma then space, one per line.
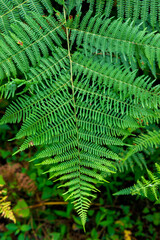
x=87, y=76
x=41, y=212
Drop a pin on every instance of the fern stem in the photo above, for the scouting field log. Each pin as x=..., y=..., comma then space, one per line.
x=76, y=120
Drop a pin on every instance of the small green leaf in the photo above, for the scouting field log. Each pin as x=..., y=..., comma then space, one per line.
x=4, y=153
x=2, y=182
x=56, y=236
x=47, y=193
x=111, y=230
x=25, y=228
x=91, y=212
x=145, y=210
x=77, y=220
x=149, y=218
x=17, y=231
x=94, y=233
x=61, y=213
x=156, y=218
x=21, y=209
x=11, y=226
x=63, y=229
x=69, y=209
x=21, y=236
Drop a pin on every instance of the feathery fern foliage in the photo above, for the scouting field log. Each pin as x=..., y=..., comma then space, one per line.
x=82, y=91
x=143, y=141
x=5, y=205
x=146, y=188
x=5, y=209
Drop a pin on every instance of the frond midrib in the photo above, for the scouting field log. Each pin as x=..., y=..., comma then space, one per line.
x=82, y=212
x=114, y=79
x=117, y=39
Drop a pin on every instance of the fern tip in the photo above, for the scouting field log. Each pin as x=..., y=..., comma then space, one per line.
x=12, y=139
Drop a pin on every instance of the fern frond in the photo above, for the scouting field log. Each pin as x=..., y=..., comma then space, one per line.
x=12, y=11
x=140, y=11
x=94, y=127
x=123, y=81
x=100, y=6
x=7, y=90
x=5, y=209
x=100, y=138
x=70, y=4
x=46, y=115
x=144, y=141
x=57, y=148
x=116, y=37
x=82, y=103
x=38, y=76
x=25, y=105
x=27, y=42
x=5, y=206
x=131, y=162
x=108, y=7
x=145, y=188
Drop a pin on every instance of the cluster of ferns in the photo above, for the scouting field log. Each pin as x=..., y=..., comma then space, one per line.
x=82, y=77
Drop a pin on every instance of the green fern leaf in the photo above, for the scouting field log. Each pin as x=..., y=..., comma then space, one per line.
x=81, y=95
x=145, y=188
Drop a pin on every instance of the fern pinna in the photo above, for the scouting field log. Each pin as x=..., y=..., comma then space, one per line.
x=82, y=91
x=146, y=188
